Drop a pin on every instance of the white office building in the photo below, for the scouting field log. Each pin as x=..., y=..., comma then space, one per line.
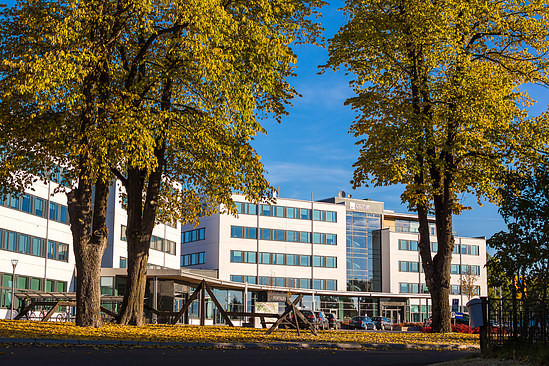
x=36, y=242
x=356, y=257
x=293, y=244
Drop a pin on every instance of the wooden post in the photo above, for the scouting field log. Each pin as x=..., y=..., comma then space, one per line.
x=285, y=314
x=25, y=310
x=185, y=306
x=218, y=305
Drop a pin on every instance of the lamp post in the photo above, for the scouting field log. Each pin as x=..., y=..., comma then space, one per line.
x=13, y=264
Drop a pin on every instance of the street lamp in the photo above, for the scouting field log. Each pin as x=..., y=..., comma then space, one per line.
x=13, y=264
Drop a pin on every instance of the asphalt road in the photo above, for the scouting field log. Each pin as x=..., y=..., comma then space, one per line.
x=29, y=355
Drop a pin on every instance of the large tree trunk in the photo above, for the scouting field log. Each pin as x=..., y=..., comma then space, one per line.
x=89, y=231
x=141, y=220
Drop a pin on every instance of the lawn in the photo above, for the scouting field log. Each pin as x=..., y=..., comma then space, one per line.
x=217, y=334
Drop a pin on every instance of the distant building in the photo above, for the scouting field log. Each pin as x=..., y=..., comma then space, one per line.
x=356, y=257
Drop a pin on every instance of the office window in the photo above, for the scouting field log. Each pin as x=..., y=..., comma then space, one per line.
x=266, y=210
x=53, y=211
x=13, y=202
x=402, y=266
x=123, y=233
x=292, y=236
x=200, y=234
x=51, y=249
x=278, y=259
x=279, y=211
x=266, y=234
x=304, y=237
x=236, y=232
x=402, y=244
x=251, y=257
x=123, y=262
x=291, y=259
x=193, y=259
x=279, y=235
x=305, y=260
x=265, y=258
x=26, y=204
x=304, y=214
x=331, y=262
x=318, y=238
x=39, y=204
x=318, y=261
x=24, y=244
x=413, y=245
x=38, y=247
x=331, y=239
x=36, y=284
x=318, y=215
x=11, y=241
x=251, y=233
x=291, y=212
x=236, y=256
x=331, y=216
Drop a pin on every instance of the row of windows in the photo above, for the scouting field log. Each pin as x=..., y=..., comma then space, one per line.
x=31, y=245
x=413, y=245
x=463, y=248
x=407, y=226
x=193, y=235
x=286, y=212
x=124, y=264
x=404, y=266
x=465, y=269
x=25, y=283
x=456, y=290
x=287, y=282
x=283, y=235
x=466, y=249
x=36, y=206
x=193, y=259
x=238, y=256
x=413, y=288
x=162, y=245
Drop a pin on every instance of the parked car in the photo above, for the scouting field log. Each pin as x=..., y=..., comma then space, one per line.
x=362, y=322
x=383, y=323
x=333, y=323
x=322, y=321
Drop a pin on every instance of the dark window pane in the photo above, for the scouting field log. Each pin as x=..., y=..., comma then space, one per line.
x=11, y=242
x=26, y=204
x=39, y=207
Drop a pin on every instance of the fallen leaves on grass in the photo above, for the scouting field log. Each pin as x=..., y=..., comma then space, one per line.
x=216, y=334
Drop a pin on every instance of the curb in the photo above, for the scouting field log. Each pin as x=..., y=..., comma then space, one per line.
x=234, y=345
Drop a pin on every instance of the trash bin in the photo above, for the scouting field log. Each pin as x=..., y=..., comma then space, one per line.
x=476, y=318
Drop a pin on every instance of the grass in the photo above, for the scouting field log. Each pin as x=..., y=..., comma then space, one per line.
x=217, y=334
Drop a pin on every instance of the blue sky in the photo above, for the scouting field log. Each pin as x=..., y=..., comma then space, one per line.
x=311, y=151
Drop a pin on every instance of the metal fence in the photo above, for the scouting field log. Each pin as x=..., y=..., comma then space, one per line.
x=512, y=320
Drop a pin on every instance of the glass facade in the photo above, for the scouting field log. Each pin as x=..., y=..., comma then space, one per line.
x=363, y=255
